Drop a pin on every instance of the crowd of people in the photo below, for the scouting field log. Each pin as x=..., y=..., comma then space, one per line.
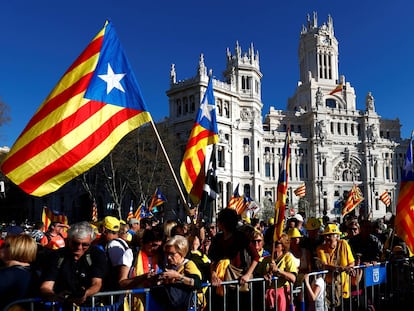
x=70, y=263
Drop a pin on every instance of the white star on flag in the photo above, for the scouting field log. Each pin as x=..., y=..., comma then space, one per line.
x=206, y=110
x=112, y=80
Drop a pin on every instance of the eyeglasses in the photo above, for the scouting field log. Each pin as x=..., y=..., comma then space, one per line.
x=83, y=244
x=170, y=254
x=257, y=241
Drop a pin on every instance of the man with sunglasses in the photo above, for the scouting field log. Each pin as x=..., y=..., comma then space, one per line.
x=75, y=272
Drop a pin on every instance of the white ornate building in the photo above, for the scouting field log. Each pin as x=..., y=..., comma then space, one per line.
x=333, y=146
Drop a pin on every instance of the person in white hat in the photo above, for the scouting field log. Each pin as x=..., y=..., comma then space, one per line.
x=299, y=224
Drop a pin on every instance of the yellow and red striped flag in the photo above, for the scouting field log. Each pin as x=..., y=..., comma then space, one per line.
x=49, y=216
x=95, y=104
x=354, y=198
x=300, y=191
x=282, y=187
x=337, y=89
x=203, y=133
x=404, y=217
x=94, y=212
x=131, y=211
x=385, y=198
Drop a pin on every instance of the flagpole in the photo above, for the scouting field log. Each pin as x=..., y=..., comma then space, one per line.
x=187, y=208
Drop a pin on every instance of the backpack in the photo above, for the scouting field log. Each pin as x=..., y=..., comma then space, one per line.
x=111, y=279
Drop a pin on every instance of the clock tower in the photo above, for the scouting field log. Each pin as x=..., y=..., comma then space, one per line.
x=318, y=51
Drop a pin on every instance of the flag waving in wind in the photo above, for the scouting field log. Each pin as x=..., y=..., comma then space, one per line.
x=404, y=217
x=300, y=191
x=337, y=89
x=49, y=216
x=385, y=198
x=354, y=198
x=203, y=133
x=95, y=104
x=157, y=199
x=282, y=186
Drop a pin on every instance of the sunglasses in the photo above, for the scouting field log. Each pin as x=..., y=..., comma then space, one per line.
x=83, y=244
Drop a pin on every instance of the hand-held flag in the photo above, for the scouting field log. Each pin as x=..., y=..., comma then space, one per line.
x=94, y=217
x=300, y=191
x=95, y=104
x=282, y=187
x=354, y=198
x=203, y=133
x=404, y=217
x=385, y=198
x=131, y=210
x=49, y=216
x=157, y=199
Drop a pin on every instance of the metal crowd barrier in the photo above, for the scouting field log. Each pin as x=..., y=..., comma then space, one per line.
x=386, y=282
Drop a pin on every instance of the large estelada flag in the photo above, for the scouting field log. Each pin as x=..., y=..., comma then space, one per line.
x=282, y=186
x=157, y=199
x=96, y=103
x=203, y=133
x=355, y=197
x=404, y=217
x=49, y=216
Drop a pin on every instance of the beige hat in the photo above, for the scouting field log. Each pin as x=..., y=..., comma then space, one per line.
x=331, y=229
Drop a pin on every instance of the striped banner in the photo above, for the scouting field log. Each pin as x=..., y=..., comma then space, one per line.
x=385, y=198
x=300, y=191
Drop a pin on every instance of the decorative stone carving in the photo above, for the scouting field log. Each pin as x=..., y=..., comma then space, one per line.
x=320, y=131
x=245, y=114
x=318, y=97
x=369, y=102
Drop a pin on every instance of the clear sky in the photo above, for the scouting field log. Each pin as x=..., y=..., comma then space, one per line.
x=41, y=39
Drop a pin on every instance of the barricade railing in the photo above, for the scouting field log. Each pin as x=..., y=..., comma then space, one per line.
x=385, y=281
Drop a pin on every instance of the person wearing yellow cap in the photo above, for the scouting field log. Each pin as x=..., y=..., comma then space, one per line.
x=301, y=256
x=336, y=256
x=313, y=240
x=120, y=255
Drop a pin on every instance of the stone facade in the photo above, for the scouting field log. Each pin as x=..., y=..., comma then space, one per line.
x=333, y=144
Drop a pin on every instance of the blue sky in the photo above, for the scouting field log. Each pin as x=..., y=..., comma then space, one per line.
x=41, y=39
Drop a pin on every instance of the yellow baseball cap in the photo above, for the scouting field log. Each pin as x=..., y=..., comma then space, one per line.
x=111, y=223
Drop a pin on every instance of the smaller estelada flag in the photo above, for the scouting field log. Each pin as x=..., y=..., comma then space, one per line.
x=385, y=198
x=300, y=191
